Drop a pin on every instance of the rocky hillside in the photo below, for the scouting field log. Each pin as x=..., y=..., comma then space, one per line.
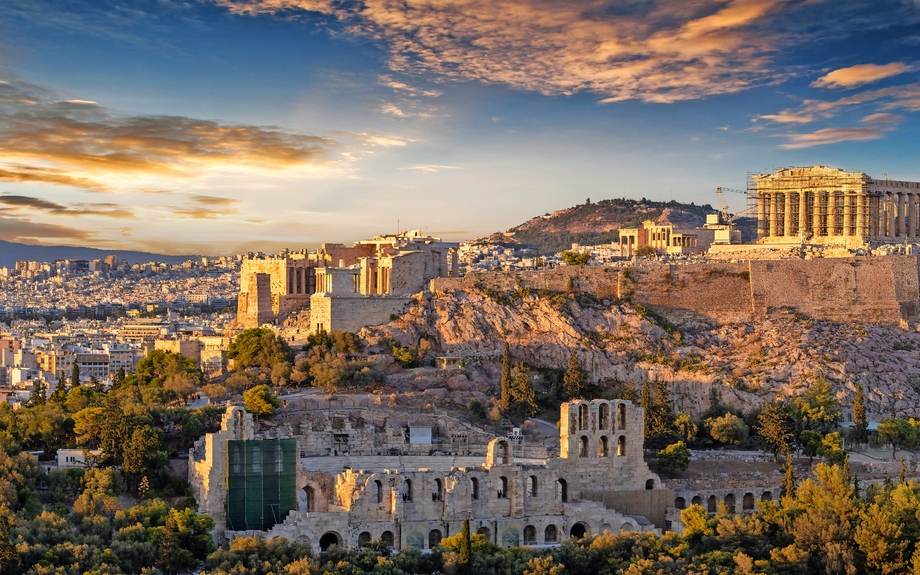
x=619, y=344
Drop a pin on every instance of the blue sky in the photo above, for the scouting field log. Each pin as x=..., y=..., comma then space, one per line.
x=217, y=126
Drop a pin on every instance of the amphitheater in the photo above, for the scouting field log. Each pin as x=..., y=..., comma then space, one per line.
x=336, y=482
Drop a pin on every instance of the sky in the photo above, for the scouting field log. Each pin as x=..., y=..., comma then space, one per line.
x=226, y=126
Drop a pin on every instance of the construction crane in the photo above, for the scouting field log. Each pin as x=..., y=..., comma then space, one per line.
x=724, y=215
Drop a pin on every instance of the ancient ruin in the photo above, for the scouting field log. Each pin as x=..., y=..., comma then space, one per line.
x=342, y=480
x=829, y=206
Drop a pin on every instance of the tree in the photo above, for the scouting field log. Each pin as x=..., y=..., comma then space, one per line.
x=59, y=395
x=181, y=385
x=575, y=259
x=505, y=383
x=170, y=558
x=10, y=561
x=463, y=563
x=75, y=375
x=897, y=433
x=675, y=456
x=119, y=377
x=114, y=430
x=144, y=453
x=788, y=477
x=832, y=449
x=38, y=396
x=260, y=400
x=259, y=347
x=860, y=434
x=522, y=392
x=573, y=378
x=686, y=427
x=729, y=429
x=811, y=443
x=817, y=408
x=775, y=428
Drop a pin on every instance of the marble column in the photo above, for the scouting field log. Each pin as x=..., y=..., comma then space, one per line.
x=860, y=216
x=774, y=220
x=803, y=214
x=762, y=224
x=816, y=213
x=832, y=213
x=847, y=212
x=787, y=215
x=912, y=215
x=892, y=216
x=900, y=228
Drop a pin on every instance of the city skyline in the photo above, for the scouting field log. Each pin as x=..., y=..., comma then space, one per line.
x=221, y=126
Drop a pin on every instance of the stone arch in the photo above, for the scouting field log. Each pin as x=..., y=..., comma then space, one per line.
x=485, y=532
x=712, y=504
x=680, y=503
x=499, y=452
x=697, y=500
x=503, y=487
x=621, y=416
x=578, y=530
x=747, y=502
x=308, y=499
x=582, y=416
x=407, y=490
x=377, y=491
x=767, y=496
x=434, y=538
x=549, y=534
x=474, y=487
x=603, y=416
x=621, y=445
x=437, y=492
x=583, y=446
x=532, y=486
x=730, y=502
x=562, y=490
x=603, y=449
x=627, y=527
x=387, y=538
x=364, y=538
x=649, y=484
x=530, y=535
x=329, y=539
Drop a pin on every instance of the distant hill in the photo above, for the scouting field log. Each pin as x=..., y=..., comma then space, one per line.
x=10, y=252
x=598, y=223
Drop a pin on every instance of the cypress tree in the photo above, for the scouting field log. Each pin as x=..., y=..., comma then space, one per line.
x=789, y=479
x=645, y=401
x=75, y=375
x=522, y=392
x=170, y=559
x=572, y=380
x=466, y=550
x=506, y=378
x=902, y=477
x=39, y=389
x=861, y=425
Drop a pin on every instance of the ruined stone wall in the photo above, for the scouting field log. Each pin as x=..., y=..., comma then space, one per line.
x=353, y=313
x=881, y=290
x=406, y=273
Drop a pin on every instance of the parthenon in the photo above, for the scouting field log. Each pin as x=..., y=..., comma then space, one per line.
x=822, y=205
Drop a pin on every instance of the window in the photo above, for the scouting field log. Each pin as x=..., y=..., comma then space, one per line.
x=621, y=445
x=562, y=490
x=621, y=416
x=407, y=490
x=530, y=535
x=603, y=416
x=434, y=538
x=377, y=492
x=437, y=493
x=603, y=450
x=503, y=488
x=256, y=463
x=583, y=446
x=650, y=484
x=549, y=535
x=582, y=416
x=475, y=487
x=532, y=487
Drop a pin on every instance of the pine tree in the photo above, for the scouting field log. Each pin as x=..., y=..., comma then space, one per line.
x=114, y=432
x=170, y=559
x=573, y=378
x=120, y=377
x=39, y=390
x=846, y=467
x=10, y=561
x=522, y=393
x=789, y=479
x=75, y=375
x=59, y=395
x=902, y=477
x=466, y=550
x=506, y=378
x=861, y=426
x=645, y=401
x=774, y=426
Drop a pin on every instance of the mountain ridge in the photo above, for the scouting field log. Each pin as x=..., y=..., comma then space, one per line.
x=11, y=252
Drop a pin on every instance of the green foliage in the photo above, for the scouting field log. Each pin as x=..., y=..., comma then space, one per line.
x=523, y=396
x=686, y=427
x=774, y=428
x=817, y=409
x=259, y=347
x=860, y=434
x=261, y=401
x=728, y=429
x=675, y=456
x=575, y=259
x=477, y=409
x=810, y=441
x=573, y=380
x=337, y=340
x=897, y=433
x=505, y=381
x=160, y=365
x=831, y=449
x=659, y=415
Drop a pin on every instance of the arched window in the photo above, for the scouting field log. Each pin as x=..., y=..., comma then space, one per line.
x=582, y=416
x=328, y=540
x=255, y=465
x=603, y=450
x=437, y=494
x=434, y=538
x=650, y=484
x=603, y=416
x=680, y=503
x=236, y=460
x=562, y=490
x=621, y=445
x=697, y=500
x=378, y=492
x=711, y=504
x=583, y=446
x=407, y=490
x=621, y=416
x=549, y=535
x=530, y=535
x=503, y=488
x=484, y=531
x=767, y=496
x=730, y=502
x=578, y=530
x=387, y=538
x=364, y=538
x=532, y=486
x=308, y=499
x=475, y=484
x=747, y=503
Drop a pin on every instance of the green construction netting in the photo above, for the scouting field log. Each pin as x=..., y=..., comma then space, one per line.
x=261, y=483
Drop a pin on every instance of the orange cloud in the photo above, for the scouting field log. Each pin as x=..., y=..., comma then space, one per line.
x=859, y=75
x=832, y=136
x=657, y=52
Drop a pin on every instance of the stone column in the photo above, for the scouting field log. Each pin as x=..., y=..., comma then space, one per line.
x=847, y=212
x=816, y=213
x=762, y=224
x=900, y=229
x=774, y=220
x=832, y=213
x=787, y=215
x=912, y=214
x=892, y=215
x=803, y=214
x=860, y=215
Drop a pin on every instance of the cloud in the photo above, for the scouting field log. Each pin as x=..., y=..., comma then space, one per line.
x=31, y=204
x=80, y=143
x=429, y=168
x=206, y=207
x=832, y=136
x=788, y=117
x=894, y=98
x=25, y=231
x=882, y=118
x=859, y=75
x=664, y=51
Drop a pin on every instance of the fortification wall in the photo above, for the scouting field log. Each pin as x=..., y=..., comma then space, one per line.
x=882, y=290
x=353, y=313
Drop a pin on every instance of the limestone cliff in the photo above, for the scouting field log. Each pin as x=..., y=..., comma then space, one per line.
x=619, y=344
